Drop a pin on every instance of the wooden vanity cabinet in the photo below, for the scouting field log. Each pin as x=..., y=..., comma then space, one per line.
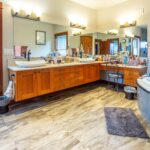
x=33, y=83
x=130, y=74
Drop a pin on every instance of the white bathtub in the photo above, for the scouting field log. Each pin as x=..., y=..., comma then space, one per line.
x=144, y=97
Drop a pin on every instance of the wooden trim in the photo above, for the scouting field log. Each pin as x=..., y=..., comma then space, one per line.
x=1, y=49
x=98, y=41
x=59, y=34
x=1, y=5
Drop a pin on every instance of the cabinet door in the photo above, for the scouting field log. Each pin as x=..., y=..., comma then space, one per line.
x=26, y=85
x=76, y=76
x=95, y=72
x=92, y=73
x=44, y=81
x=67, y=77
x=57, y=79
x=130, y=77
x=79, y=75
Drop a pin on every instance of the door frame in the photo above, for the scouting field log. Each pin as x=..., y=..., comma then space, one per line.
x=98, y=41
x=1, y=48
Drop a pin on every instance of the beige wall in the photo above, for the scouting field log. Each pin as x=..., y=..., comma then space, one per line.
x=25, y=35
x=59, y=12
x=109, y=18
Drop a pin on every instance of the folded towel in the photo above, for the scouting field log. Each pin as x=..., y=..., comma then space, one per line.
x=10, y=91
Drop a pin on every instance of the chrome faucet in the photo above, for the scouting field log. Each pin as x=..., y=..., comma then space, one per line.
x=28, y=55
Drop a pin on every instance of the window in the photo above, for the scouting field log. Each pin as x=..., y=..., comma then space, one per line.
x=143, y=51
x=136, y=46
x=114, y=46
x=61, y=42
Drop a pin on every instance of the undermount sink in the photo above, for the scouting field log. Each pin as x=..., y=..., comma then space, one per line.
x=86, y=60
x=30, y=64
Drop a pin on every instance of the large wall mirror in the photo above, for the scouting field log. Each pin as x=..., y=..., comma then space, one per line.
x=52, y=37
x=131, y=39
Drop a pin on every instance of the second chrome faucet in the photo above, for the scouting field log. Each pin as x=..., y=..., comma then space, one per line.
x=28, y=55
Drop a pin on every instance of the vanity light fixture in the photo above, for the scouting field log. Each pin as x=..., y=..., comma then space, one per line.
x=129, y=35
x=23, y=14
x=128, y=24
x=77, y=25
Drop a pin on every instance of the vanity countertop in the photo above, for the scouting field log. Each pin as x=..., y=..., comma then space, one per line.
x=127, y=66
x=16, y=68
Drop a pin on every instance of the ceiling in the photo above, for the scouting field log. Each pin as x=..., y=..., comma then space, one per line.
x=97, y=4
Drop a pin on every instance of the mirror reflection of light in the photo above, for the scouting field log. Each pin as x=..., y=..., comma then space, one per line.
x=77, y=20
x=76, y=31
x=129, y=34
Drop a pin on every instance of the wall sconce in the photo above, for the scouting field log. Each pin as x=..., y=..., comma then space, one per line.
x=77, y=25
x=128, y=24
x=23, y=14
x=113, y=32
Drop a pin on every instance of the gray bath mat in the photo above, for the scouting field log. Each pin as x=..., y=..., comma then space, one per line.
x=123, y=122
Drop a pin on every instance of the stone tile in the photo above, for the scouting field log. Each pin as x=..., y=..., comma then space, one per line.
x=69, y=120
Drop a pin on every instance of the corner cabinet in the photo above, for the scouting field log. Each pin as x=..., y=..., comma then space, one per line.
x=33, y=83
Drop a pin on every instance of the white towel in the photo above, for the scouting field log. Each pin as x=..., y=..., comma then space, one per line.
x=10, y=93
